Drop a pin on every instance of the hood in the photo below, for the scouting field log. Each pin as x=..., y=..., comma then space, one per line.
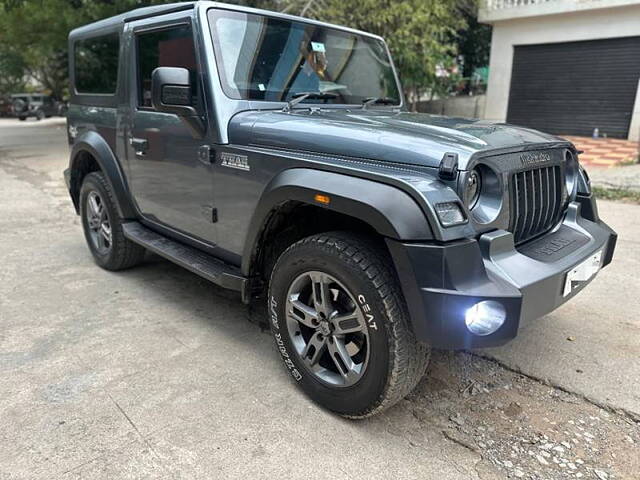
x=401, y=137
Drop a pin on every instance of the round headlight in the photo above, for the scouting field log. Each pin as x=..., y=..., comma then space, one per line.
x=571, y=173
x=482, y=192
x=472, y=189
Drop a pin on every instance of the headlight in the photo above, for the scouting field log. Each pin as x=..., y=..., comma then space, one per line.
x=472, y=188
x=482, y=193
x=571, y=173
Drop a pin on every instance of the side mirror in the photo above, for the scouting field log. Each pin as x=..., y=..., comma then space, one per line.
x=171, y=93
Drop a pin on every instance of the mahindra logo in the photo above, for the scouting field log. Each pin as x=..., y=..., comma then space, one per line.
x=534, y=158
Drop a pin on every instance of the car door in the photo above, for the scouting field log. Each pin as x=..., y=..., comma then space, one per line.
x=170, y=177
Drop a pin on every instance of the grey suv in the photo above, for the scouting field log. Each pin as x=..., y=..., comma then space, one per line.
x=26, y=105
x=274, y=155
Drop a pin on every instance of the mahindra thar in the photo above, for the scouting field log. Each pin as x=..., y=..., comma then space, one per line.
x=275, y=156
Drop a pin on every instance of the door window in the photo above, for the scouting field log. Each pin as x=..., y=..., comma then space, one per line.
x=171, y=47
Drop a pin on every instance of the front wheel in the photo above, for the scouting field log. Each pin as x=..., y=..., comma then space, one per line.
x=339, y=320
x=40, y=115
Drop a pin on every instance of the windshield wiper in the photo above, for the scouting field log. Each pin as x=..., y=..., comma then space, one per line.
x=302, y=96
x=378, y=100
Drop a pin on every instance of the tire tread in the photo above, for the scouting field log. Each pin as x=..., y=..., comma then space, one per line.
x=409, y=358
x=125, y=254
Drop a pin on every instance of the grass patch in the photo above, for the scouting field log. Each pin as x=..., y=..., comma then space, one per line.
x=617, y=194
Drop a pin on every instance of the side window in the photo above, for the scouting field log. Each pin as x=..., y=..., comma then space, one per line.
x=96, y=64
x=172, y=47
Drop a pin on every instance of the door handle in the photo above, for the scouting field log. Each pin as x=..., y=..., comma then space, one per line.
x=140, y=145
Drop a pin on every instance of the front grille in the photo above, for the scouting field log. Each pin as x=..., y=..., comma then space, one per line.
x=537, y=201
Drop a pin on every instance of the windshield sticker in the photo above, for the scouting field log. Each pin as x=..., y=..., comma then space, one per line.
x=318, y=47
x=261, y=87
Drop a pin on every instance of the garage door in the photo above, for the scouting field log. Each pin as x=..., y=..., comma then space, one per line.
x=572, y=88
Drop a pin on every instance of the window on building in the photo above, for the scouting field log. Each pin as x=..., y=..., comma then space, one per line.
x=172, y=47
x=96, y=64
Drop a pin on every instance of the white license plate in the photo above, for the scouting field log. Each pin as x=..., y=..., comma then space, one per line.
x=581, y=273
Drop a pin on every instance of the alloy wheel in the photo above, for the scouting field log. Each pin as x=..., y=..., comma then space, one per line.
x=98, y=222
x=327, y=329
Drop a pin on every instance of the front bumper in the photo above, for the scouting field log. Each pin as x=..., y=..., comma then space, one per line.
x=440, y=282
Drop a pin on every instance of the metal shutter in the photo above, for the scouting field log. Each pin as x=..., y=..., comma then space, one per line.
x=571, y=88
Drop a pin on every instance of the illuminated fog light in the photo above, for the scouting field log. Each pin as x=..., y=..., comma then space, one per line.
x=484, y=318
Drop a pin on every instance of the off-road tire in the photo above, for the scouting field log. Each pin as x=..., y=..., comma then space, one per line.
x=397, y=360
x=123, y=253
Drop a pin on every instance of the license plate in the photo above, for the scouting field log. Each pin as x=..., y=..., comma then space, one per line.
x=581, y=273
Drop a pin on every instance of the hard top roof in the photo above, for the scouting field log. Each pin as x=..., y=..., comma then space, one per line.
x=154, y=10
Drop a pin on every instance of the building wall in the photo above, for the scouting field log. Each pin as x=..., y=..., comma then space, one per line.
x=463, y=106
x=581, y=25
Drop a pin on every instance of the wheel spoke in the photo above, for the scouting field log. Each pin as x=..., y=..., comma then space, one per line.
x=341, y=359
x=94, y=206
x=347, y=323
x=314, y=349
x=99, y=239
x=302, y=313
x=105, y=231
x=321, y=293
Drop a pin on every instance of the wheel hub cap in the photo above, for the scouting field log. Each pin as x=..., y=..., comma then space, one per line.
x=324, y=328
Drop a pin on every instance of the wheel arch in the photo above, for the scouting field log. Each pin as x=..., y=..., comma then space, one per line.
x=354, y=203
x=90, y=153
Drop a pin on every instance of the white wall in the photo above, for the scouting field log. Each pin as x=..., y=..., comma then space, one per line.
x=583, y=25
x=462, y=106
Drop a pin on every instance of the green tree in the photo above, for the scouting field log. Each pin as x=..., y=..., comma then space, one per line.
x=420, y=33
x=35, y=32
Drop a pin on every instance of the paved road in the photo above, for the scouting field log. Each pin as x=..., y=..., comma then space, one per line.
x=154, y=373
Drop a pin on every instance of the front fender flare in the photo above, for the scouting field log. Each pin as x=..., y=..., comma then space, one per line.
x=95, y=145
x=389, y=210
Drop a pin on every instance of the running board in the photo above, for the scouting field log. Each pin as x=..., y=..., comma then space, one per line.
x=188, y=257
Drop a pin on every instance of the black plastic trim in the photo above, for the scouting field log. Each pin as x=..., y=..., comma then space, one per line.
x=93, y=143
x=390, y=211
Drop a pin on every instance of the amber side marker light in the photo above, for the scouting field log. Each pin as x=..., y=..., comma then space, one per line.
x=324, y=199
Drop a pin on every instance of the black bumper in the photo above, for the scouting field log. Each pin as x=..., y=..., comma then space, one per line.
x=440, y=282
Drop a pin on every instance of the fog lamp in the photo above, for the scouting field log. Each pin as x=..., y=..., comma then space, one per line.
x=484, y=318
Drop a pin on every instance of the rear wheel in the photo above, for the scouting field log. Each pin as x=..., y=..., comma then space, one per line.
x=22, y=119
x=340, y=323
x=102, y=226
x=39, y=115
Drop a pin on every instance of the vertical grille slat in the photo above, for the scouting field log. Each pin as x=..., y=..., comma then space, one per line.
x=536, y=201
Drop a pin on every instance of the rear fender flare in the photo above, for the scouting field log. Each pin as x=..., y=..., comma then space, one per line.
x=94, y=144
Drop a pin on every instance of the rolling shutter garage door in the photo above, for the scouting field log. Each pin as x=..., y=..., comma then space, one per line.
x=572, y=88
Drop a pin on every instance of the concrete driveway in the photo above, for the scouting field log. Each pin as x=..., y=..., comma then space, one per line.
x=154, y=373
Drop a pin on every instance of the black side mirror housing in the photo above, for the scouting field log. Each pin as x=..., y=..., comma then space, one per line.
x=171, y=92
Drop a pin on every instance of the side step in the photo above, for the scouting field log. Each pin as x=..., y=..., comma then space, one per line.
x=188, y=257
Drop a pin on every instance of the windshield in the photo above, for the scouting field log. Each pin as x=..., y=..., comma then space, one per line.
x=271, y=59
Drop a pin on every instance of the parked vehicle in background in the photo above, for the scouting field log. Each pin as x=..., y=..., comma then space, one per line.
x=25, y=105
x=275, y=156
x=6, y=109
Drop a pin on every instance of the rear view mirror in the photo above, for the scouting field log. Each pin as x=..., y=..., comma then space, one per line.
x=171, y=92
